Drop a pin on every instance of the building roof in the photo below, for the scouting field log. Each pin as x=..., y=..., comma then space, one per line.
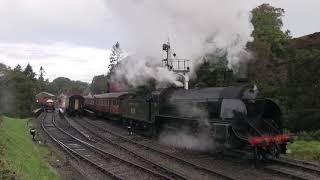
x=44, y=94
x=111, y=95
x=307, y=41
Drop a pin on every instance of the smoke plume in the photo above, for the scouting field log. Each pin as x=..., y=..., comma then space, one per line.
x=193, y=27
x=136, y=70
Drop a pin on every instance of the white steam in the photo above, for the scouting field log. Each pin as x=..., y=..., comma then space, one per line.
x=185, y=137
x=185, y=140
x=193, y=27
x=137, y=70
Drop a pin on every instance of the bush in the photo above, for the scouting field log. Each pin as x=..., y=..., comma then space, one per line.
x=316, y=135
x=309, y=136
x=297, y=121
x=305, y=150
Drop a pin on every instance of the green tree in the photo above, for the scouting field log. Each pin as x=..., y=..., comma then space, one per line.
x=213, y=71
x=18, y=89
x=303, y=90
x=65, y=85
x=3, y=87
x=41, y=74
x=99, y=84
x=28, y=71
x=271, y=50
x=267, y=22
x=20, y=92
x=115, y=56
x=17, y=68
x=42, y=83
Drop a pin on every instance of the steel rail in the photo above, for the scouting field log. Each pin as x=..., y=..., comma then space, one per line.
x=174, y=175
x=104, y=154
x=195, y=166
x=73, y=153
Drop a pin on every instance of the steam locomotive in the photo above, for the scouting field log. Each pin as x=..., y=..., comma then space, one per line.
x=237, y=116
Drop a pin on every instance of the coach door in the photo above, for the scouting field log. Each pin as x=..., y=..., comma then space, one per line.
x=76, y=104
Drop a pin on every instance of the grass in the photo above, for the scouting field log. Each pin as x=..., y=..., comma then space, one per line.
x=23, y=156
x=305, y=150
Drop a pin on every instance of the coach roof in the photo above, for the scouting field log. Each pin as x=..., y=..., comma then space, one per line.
x=111, y=95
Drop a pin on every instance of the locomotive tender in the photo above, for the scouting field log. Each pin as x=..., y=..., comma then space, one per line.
x=237, y=116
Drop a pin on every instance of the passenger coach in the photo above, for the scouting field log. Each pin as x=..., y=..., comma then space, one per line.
x=107, y=104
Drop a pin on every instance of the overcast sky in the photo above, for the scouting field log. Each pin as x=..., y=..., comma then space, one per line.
x=71, y=38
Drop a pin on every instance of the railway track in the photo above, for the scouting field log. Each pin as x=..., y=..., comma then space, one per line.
x=179, y=166
x=110, y=166
x=293, y=169
x=122, y=152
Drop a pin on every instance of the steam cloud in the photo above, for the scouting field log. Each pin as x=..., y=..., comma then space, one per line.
x=193, y=27
x=184, y=140
x=185, y=137
x=136, y=70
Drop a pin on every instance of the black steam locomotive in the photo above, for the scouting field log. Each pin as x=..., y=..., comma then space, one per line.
x=237, y=116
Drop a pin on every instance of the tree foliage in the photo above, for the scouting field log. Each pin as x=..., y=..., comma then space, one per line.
x=115, y=56
x=286, y=73
x=99, y=84
x=17, y=91
x=212, y=72
x=65, y=85
x=272, y=52
x=303, y=90
x=267, y=22
x=19, y=86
